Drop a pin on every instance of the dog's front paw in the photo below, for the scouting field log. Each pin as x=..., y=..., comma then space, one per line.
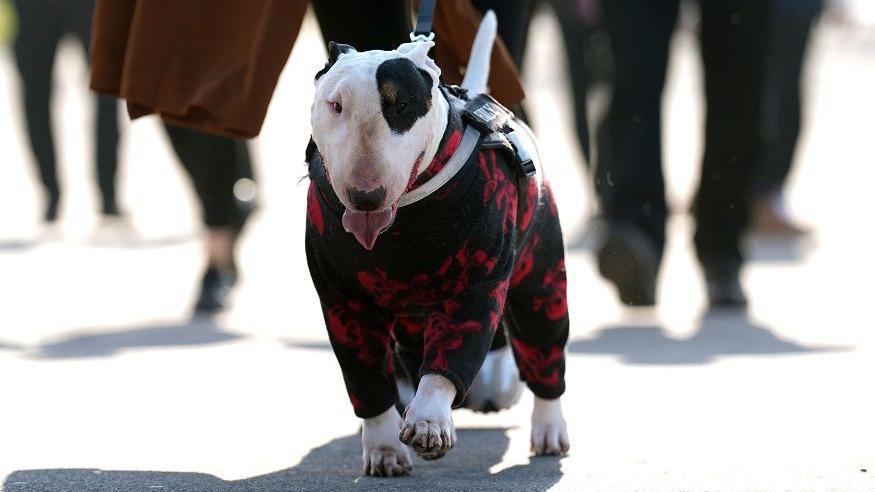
x=383, y=455
x=428, y=422
x=549, y=431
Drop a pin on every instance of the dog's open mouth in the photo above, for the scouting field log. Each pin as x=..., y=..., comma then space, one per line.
x=366, y=226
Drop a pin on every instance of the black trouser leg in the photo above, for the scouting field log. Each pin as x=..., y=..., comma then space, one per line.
x=38, y=35
x=78, y=17
x=792, y=21
x=106, y=146
x=213, y=164
x=734, y=41
x=364, y=25
x=629, y=179
x=576, y=36
x=513, y=17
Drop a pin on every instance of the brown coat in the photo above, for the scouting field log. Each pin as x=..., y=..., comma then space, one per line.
x=213, y=64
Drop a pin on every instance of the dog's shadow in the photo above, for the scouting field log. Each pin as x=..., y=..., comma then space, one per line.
x=335, y=466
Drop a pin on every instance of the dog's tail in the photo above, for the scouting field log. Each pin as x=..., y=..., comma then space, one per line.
x=477, y=72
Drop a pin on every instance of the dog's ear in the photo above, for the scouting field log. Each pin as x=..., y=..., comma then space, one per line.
x=417, y=52
x=335, y=51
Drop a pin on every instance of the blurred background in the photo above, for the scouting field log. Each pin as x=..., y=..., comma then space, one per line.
x=104, y=362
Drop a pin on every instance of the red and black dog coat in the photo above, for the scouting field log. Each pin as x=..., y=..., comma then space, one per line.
x=443, y=278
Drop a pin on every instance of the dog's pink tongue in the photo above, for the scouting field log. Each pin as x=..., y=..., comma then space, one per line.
x=366, y=226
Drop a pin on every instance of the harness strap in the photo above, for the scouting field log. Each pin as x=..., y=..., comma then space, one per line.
x=424, y=18
x=459, y=158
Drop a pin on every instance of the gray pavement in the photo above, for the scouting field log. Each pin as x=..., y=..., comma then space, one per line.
x=107, y=384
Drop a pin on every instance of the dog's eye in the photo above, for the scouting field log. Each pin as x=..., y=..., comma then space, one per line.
x=336, y=107
x=400, y=107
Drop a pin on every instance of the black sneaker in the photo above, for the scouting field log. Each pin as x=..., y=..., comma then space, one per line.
x=629, y=259
x=215, y=289
x=724, y=286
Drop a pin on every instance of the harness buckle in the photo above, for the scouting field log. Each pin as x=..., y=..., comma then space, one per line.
x=524, y=161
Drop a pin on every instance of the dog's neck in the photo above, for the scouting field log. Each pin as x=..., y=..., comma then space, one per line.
x=447, y=136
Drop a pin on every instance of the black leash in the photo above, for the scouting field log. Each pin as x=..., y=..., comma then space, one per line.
x=424, y=19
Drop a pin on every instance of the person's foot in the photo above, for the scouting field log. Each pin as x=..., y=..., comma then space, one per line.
x=629, y=259
x=110, y=209
x=723, y=284
x=51, y=212
x=215, y=290
x=769, y=216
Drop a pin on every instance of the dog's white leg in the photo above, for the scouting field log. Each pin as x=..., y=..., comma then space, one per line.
x=549, y=431
x=428, y=422
x=382, y=453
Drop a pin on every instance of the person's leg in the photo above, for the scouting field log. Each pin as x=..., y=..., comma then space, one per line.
x=213, y=164
x=106, y=134
x=38, y=35
x=576, y=34
x=734, y=45
x=513, y=16
x=364, y=25
x=629, y=179
x=107, y=153
x=792, y=22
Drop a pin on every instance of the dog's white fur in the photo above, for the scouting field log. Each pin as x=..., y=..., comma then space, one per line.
x=359, y=150
x=357, y=146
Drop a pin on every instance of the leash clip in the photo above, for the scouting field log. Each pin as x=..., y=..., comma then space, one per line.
x=422, y=32
x=421, y=38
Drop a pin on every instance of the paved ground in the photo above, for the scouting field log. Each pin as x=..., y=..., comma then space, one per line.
x=107, y=384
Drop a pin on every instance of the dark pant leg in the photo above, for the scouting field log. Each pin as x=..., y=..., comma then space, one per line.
x=78, y=20
x=365, y=26
x=212, y=164
x=792, y=22
x=576, y=36
x=513, y=17
x=629, y=179
x=106, y=146
x=38, y=33
x=734, y=45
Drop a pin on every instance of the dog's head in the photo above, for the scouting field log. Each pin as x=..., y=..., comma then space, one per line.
x=377, y=120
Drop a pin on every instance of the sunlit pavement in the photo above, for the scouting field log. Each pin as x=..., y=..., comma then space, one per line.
x=107, y=384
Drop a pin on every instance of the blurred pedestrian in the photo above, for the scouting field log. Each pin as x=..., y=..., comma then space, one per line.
x=629, y=179
x=220, y=169
x=41, y=25
x=581, y=25
x=792, y=24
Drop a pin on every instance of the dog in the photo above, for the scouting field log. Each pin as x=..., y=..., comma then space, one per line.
x=420, y=286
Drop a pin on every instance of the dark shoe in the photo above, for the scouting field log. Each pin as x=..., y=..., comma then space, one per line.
x=724, y=286
x=769, y=216
x=215, y=290
x=629, y=259
x=110, y=209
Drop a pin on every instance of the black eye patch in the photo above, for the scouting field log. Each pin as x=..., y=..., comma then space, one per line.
x=405, y=93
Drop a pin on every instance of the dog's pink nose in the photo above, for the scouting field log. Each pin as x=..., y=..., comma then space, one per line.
x=366, y=201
